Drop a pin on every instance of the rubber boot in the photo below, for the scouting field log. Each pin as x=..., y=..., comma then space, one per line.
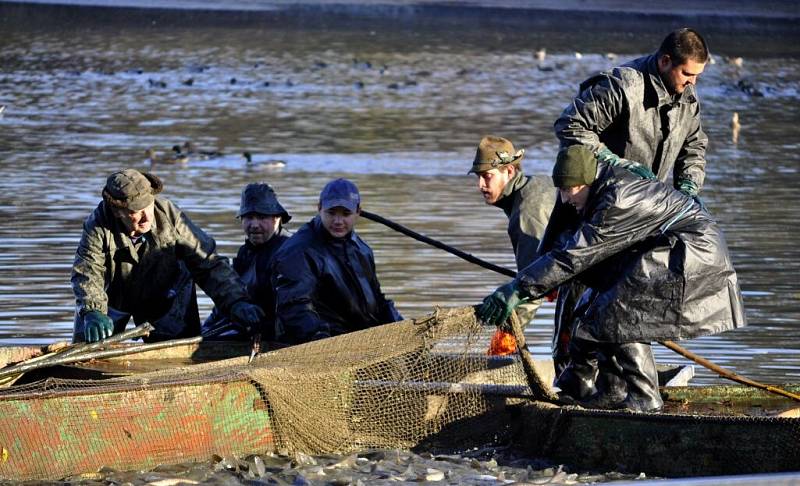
x=610, y=384
x=577, y=379
x=639, y=371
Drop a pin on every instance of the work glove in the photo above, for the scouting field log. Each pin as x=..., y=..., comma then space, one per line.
x=497, y=307
x=609, y=157
x=248, y=315
x=97, y=326
x=689, y=187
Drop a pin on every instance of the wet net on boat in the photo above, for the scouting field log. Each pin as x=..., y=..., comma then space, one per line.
x=394, y=386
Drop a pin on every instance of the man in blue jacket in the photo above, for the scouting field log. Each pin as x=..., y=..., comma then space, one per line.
x=324, y=275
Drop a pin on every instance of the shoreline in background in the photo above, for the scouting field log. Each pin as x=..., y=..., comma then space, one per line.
x=773, y=17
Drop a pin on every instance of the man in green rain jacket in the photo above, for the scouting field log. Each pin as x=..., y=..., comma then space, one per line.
x=140, y=256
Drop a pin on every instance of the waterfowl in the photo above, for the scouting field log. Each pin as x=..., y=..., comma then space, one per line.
x=190, y=149
x=175, y=158
x=267, y=164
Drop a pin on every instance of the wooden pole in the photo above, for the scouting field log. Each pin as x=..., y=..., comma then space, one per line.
x=668, y=344
x=730, y=375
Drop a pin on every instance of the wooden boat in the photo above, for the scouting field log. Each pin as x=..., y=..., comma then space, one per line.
x=60, y=432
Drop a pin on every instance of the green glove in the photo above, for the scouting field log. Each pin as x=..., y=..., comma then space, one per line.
x=248, y=315
x=97, y=326
x=497, y=307
x=609, y=157
x=688, y=187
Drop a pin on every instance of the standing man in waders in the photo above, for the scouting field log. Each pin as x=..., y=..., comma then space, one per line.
x=525, y=200
x=653, y=266
x=645, y=111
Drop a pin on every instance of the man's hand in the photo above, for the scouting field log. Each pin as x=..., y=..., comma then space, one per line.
x=497, y=307
x=97, y=326
x=248, y=315
x=609, y=157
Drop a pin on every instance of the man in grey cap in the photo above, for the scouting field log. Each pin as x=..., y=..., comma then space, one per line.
x=324, y=275
x=262, y=218
x=140, y=256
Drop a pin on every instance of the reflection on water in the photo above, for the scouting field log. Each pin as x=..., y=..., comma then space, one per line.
x=398, y=114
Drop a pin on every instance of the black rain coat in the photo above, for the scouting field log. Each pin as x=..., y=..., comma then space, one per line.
x=630, y=111
x=655, y=265
x=326, y=286
x=253, y=264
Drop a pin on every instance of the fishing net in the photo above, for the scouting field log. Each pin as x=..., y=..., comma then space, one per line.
x=424, y=382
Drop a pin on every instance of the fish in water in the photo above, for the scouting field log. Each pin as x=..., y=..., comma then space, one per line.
x=266, y=164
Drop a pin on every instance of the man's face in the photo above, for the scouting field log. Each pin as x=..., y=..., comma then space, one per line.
x=136, y=223
x=259, y=228
x=576, y=196
x=339, y=221
x=492, y=182
x=677, y=77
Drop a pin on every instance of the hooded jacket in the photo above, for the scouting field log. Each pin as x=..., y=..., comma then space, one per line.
x=527, y=201
x=326, y=286
x=630, y=111
x=655, y=265
x=109, y=271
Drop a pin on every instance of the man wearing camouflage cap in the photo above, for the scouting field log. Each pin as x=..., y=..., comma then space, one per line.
x=526, y=200
x=262, y=218
x=139, y=256
x=324, y=276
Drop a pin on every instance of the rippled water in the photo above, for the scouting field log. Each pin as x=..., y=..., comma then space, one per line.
x=400, y=114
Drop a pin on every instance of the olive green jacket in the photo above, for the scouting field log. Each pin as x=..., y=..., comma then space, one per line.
x=527, y=201
x=109, y=272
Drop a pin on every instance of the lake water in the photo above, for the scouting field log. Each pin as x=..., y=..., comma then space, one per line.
x=399, y=113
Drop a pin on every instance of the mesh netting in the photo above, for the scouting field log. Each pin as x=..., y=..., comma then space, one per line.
x=385, y=387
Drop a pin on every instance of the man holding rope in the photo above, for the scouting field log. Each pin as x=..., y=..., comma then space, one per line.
x=653, y=266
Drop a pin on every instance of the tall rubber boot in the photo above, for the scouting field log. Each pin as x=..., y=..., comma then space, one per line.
x=639, y=371
x=577, y=379
x=610, y=384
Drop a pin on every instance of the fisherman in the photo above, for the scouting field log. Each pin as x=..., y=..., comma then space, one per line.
x=654, y=266
x=645, y=111
x=526, y=200
x=139, y=256
x=262, y=218
x=324, y=275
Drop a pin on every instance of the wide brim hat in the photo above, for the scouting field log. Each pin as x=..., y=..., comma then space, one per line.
x=259, y=197
x=494, y=152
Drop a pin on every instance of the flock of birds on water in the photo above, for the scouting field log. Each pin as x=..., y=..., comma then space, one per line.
x=188, y=151
x=185, y=153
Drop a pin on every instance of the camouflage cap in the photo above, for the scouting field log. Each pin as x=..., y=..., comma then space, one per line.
x=495, y=152
x=575, y=165
x=131, y=189
x=259, y=197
